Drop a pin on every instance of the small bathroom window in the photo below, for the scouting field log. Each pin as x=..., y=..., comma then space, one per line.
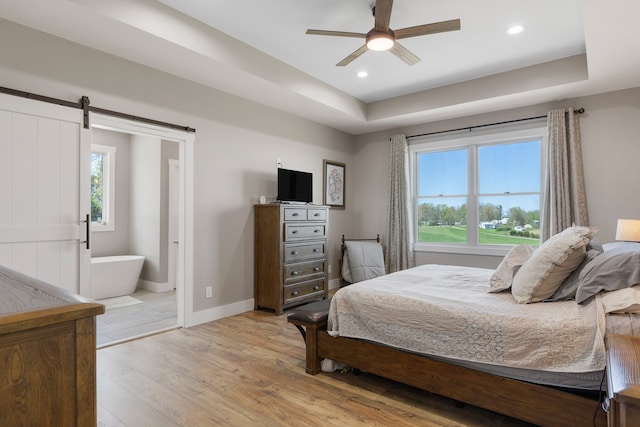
x=103, y=171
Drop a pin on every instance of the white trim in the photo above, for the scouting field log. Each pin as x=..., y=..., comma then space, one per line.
x=471, y=142
x=186, y=140
x=154, y=286
x=217, y=313
x=334, y=283
x=108, y=184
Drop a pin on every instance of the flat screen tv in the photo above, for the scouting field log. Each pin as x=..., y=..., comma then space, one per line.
x=295, y=186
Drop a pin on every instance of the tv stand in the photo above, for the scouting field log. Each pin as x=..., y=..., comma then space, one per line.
x=286, y=202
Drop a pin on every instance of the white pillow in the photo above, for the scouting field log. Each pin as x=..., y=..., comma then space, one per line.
x=549, y=265
x=625, y=300
x=503, y=276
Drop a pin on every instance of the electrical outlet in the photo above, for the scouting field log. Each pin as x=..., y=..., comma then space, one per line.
x=329, y=268
x=208, y=292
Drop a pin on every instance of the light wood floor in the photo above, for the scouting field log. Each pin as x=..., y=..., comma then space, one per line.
x=248, y=370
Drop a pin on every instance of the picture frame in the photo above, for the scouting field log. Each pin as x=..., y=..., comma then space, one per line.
x=334, y=184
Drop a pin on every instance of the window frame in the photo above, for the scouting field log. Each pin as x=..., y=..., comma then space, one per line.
x=449, y=142
x=109, y=187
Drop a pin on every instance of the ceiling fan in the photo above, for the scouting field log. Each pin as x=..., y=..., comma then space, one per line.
x=381, y=37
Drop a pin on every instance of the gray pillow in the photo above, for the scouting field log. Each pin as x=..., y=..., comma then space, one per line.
x=617, y=267
x=568, y=288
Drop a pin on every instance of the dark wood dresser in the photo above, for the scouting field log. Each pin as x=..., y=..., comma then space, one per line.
x=47, y=354
x=290, y=255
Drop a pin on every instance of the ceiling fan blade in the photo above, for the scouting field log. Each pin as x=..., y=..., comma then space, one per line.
x=336, y=33
x=405, y=54
x=421, y=30
x=382, y=14
x=354, y=55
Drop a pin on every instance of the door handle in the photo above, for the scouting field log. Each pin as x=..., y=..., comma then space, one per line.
x=87, y=222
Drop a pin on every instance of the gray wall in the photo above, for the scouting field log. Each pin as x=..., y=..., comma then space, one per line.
x=611, y=149
x=144, y=204
x=142, y=201
x=106, y=243
x=237, y=143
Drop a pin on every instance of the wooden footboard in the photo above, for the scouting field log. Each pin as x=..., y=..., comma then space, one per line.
x=529, y=402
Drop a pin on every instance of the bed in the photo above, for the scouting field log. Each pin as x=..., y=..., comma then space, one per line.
x=527, y=350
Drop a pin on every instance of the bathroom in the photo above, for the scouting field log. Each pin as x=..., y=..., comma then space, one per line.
x=133, y=234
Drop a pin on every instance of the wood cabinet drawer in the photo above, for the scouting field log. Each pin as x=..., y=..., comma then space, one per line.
x=303, y=251
x=301, y=271
x=623, y=380
x=291, y=255
x=317, y=215
x=295, y=214
x=303, y=231
x=295, y=292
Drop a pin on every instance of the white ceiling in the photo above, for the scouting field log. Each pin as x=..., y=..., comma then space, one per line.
x=482, y=46
x=258, y=50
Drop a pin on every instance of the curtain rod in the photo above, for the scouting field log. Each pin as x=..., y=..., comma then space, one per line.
x=469, y=128
x=83, y=104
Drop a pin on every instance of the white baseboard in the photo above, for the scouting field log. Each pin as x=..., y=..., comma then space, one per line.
x=154, y=286
x=209, y=315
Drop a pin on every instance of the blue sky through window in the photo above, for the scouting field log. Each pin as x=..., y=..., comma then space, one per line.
x=502, y=169
x=443, y=173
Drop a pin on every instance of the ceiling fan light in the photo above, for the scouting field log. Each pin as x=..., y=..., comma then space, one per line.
x=379, y=41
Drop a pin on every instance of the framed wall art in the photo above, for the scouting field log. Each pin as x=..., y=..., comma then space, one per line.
x=334, y=175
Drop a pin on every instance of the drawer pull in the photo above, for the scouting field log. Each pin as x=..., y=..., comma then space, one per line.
x=295, y=214
x=294, y=293
x=294, y=273
x=316, y=250
x=294, y=252
x=316, y=287
x=294, y=231
x=316, y=268
x=316, y=231
x=316, y=214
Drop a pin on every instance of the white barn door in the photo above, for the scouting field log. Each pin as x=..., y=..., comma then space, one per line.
x=44, y=192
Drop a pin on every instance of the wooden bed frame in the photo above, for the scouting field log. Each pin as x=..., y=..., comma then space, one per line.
x=538, y=404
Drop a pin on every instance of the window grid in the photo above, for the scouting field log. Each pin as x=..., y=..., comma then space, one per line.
x=536, y=138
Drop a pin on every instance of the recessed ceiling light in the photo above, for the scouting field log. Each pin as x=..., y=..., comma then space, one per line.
x=516, y=29
x=362, y=74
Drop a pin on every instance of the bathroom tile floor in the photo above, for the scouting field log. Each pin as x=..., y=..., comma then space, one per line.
x=157, y=312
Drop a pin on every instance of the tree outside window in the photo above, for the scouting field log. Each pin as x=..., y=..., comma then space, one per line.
x=479, y=191
x=103, y=187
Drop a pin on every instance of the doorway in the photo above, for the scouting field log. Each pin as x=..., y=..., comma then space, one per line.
x=175, y=286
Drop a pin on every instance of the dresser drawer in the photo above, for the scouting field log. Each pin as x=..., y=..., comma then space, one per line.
x=295, y=292
x=303, y=231
x=296, y=272
x=295, y=214
x=303, y=251
x=317, y=215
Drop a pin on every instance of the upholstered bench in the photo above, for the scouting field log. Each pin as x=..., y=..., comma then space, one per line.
x=308, y=318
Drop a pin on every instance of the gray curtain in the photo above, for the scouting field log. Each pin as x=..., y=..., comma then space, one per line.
x=399, y=248
x=565, y=202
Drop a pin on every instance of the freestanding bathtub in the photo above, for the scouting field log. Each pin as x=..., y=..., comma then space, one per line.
x=113, y=276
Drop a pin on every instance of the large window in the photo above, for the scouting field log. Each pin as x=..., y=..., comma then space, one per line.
x=103, y=164
x=477, y=193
